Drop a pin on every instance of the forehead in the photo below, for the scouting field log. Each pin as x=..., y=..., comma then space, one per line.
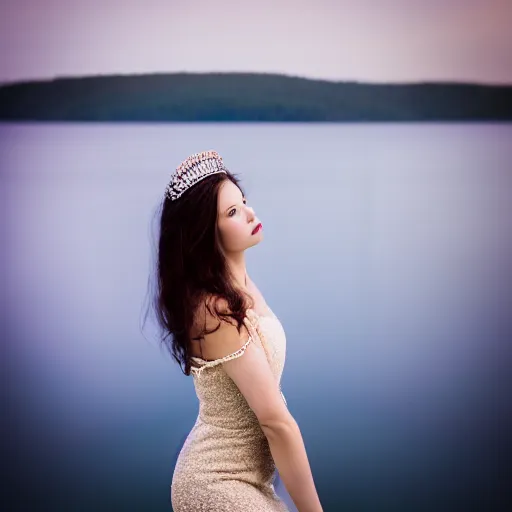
x=229, y=194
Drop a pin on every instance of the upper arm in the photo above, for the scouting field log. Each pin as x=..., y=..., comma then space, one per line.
x=252, y=375
x=250, y=371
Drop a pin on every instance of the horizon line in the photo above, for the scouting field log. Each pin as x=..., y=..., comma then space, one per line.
x=269, y=73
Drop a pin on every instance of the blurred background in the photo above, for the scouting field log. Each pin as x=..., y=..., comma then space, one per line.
x=373, y=141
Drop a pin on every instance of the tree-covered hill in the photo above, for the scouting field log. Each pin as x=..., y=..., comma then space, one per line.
x=248, y=97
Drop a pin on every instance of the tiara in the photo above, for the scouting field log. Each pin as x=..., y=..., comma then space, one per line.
x=192, y=170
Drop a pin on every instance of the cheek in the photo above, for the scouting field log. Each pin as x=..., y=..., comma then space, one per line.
x=232, y=231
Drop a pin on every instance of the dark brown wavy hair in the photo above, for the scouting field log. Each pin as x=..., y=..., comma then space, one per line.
x=191, y=268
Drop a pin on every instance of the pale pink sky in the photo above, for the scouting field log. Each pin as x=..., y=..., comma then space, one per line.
x=365, y=40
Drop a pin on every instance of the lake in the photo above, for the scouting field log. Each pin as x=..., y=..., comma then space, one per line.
x=387, y=256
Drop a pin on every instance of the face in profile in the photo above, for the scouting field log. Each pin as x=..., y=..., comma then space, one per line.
x=236, y=220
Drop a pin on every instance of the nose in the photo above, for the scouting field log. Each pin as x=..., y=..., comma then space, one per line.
x=251, y=214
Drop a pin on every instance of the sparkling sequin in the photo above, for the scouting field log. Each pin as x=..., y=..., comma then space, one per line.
x=225, y=463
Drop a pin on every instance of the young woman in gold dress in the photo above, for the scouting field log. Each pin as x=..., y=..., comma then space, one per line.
x=219, y=328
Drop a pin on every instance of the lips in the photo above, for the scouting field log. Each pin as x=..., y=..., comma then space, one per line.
x=255, y=230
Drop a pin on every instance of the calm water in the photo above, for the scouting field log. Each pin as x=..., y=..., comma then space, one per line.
x=387, y=256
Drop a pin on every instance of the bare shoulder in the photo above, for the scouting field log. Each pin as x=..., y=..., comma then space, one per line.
x=205, y=314
x=220, y=336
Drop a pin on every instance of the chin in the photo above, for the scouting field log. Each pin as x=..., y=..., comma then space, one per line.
x=255, y=239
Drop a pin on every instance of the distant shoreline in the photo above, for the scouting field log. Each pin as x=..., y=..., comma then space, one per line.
x=248, y=97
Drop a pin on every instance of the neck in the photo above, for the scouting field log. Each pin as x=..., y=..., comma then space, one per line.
x=238, y=269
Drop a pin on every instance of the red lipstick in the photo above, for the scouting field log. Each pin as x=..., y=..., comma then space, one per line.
x=257, y=228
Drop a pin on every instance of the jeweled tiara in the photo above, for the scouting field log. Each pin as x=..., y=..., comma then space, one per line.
x=192, y=170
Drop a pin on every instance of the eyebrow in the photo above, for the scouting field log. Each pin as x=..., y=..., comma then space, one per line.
x=226, y=210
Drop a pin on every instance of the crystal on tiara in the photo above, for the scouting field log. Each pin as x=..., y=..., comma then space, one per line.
x=192, y=170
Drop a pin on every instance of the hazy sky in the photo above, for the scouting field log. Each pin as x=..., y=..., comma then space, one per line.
x=367, y=40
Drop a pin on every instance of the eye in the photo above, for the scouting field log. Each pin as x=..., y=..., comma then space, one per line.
x=234, y=209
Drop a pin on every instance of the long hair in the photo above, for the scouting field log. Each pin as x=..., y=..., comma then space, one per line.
x=191, y=268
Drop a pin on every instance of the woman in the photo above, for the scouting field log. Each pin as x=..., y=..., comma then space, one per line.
x=232, y=344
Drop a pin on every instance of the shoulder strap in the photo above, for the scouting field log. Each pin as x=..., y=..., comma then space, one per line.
x=215, y=362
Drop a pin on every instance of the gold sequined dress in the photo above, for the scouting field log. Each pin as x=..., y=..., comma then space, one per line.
x=225, y=463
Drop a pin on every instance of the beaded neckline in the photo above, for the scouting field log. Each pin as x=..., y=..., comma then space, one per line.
x=270, y=315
